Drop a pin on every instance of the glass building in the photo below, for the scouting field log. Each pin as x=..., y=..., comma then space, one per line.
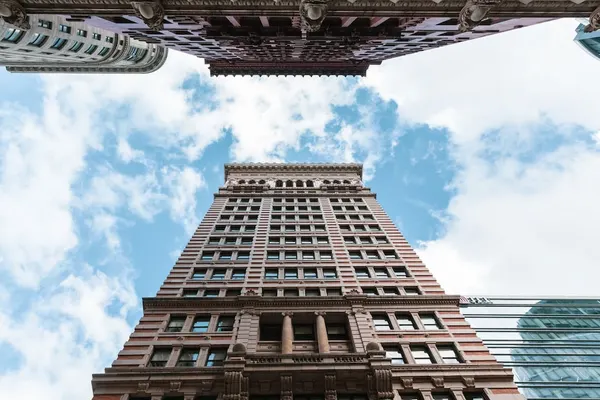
x=589, y=41
x=552, y=345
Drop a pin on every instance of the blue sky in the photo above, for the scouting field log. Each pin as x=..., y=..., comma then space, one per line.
x=485, y=154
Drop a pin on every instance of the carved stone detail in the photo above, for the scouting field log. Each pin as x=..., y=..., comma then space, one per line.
x=469, y=382
x=473, y=13
x=330, y=387
x=383, y=384
x=312, y=14
x=17, y=16
x=438, y=382
x=286, y=388
x=407, y=383
x=143, y=386
x=174, y=386
x=245, y=391
x=233, y=385
x=151, y=12
x=594, y=24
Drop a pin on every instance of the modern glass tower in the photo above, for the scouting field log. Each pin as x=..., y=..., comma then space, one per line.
x=553, y=345
x=298, y=286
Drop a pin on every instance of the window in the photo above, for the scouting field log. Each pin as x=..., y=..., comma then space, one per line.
x=405, y=322
x=238, y=274
x=361, y=273
x=274, y=240
x=160, y=357
x=372, y=255
x=81, y=32
x=381, y=273
x=38, y=40
x=13, y=35
x=304, y=228
x=304, y=332
x=276, y=227
x=308, y=255
x=235, y=228
x=188, y=358
x=175, y=324
x=370, y=291
x=349, y=240
x=45, y=24
x=312, y=292
x=359, y=228
x=199, y=274
x=306, y=240
x=290, y=292
x=290, y=228
x=389, y=254
x=220, y=228
x=365, y=240
x=201, y=323
x=448, y=354
x=58, y=43
x=325, y=255
x=64, y=28
x=225, y=324
x=207, y=255
x=411, y=396
x=334, y=292
x=381, y=239
x=310, y=273
x=233, y=292
x=291, y=255
x=246, y=241
x=429, y=321
x=216, y=358
x=214, y=240
x=320, y=228
x=91, y=49
x=474, y=396
x=355, y=255
x=289, y=273
x=290, y=240
x=442, y=396
x=421, y=355
x=271, y=273
x=394, y=354
x=211, y=293
x=346, y=396
x=400, y=272
x=218, y=274
x=382, y=322
x=110, y=39
x=411, y=291
x=329, y=274
x=276, y=218
x=243, y=255
x=269, y=293
x=270, y=332
x=337, y=332
x=272, y=255
x=96, y=36
x=390, y=291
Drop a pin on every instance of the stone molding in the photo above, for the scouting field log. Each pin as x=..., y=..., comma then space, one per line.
x=18, y=17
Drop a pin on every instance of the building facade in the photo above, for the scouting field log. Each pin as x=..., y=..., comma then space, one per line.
x=304, y=37
x=588, y=41
x=552, y=345
x=54, y=44
x=298, y=286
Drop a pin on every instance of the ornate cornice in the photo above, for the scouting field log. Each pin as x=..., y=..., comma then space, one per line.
x=296, y=167
x=288, y=303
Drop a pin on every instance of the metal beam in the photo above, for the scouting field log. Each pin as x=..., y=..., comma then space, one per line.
x=234, y=21
x=346, y=21
x=264, y=21
x=376, y=21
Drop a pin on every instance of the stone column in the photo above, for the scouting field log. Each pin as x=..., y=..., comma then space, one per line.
x=322, y=333
x=287, y=334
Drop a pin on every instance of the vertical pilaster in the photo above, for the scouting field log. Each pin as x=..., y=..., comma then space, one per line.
x=287, y=334
x=322, y=339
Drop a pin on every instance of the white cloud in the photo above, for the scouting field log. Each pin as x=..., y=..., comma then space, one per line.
x=183, y=185
x=127, y=153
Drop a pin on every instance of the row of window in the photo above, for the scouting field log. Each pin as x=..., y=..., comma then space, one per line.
x=350, y=208
x=243, y=200
x=301, y=218
x=365, y=240
x=422, y=354
x=372, y=254
x=391, y=291
x=210, y=292
x=406, y=322
x=219, y=273
x=305, y=273
x=293, y=200
x=296, y=208
x=245, y=218
x=293, y=292
x=225, y=255
x=380, y=273
x=188, y=357
x=300, y=255
x=298, y=228
x=360, y=228
x=305, y=332
x=230, y=241
x=235, y=228
x=354, y=217
x=200, y=324
x=242, y=208
x=294, y=240
x=340, y=396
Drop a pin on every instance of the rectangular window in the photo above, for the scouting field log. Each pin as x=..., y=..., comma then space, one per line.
x=382, y=322
x=365, y=240
x=269, y=293
x=370, y=291
x=474, y=396
x=394, y=354
x=381, y=273
x=310, y=273
x=214, y=240
x=304, y=332
x=400, y=272
x=291, y=255
x=207, y=255
x=243, y=255
x=355, y=255
x=381, y=240
x=290, y=240
x=325, y=255
x=216, y=357
x=322, y=240
x=218, y=274
x=329, y=274
x=190, y=292
x=308, y=255
x=274, y=240
x=361, y=273
x=359, y=228
x=289, y=273
x=220, y=228
x=96, y=36
x=421, y=355
x=230, y=241
x=389, y=254
x=235, y=228
x=271, y=273
x=188, y=358
x=312, y=292
x=201, y=323
x=372, y=255
x=337, y=332
x=64, y=28
x=272, y=255
x=411, y=291
x=411, y=396
x=160, y=357
x=429, y=322
x=81, y=32
x=45, y=24
x=58, y=43
x=270, y=332
x=290, y=292
x=334, y=292
x=389, y=291
x=91, y=49
x=442, y=396
x=199, y=274
x=38, y=40
x=405, y=322
x=320, y=228
x=225, y=323
x=246, y=241
x=448, y=354
x=233, y=292
x=374, y=228
x=306, y=240
x=211, y=293
x=276, y=228
x=175, y=324
x=238, y=274
x=304, y=228
x=276, y=218
x=290, y=228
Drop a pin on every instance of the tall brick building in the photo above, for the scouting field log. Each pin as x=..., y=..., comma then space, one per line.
x=298, y=286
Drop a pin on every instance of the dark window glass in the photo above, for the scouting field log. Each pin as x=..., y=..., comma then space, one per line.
x=290, y=292
x=271, y=274
x=381, y=273
x=201, y=323
x=304, y=332
x=269, y=293
x=233, y=292
x=243, y=255
x=289, y=273
x=199, y=274
x=225, y=323
x=400, y=272
x=238, y=274
x=211, y=293
x=337, y=332
x=310, y=273
x=218, y=274
x=370, y=291
x=216, y=357
x=361, y=273
x=355, y=255
x=188, y=358
x=160, y=357
x=190, y=292
x=175, y=324
x=329, y=274
x=312, y=292
x=270, y=332
x=388, y=291
x=207, y=255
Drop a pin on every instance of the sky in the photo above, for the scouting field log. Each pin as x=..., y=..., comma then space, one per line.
x=486, y=154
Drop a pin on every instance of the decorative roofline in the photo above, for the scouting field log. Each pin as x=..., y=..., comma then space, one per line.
x=295, y=167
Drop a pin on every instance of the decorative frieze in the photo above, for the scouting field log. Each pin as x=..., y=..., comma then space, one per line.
x=14, y=13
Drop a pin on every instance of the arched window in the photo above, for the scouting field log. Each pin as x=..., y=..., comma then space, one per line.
x=346, y=182
x=252, y=182
x=336, y=182
x=309, y=184
x=278, y=184
x=326, y=182
x=261, y=182
x=241, y=182
x=299, y=183
x=289, y=184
